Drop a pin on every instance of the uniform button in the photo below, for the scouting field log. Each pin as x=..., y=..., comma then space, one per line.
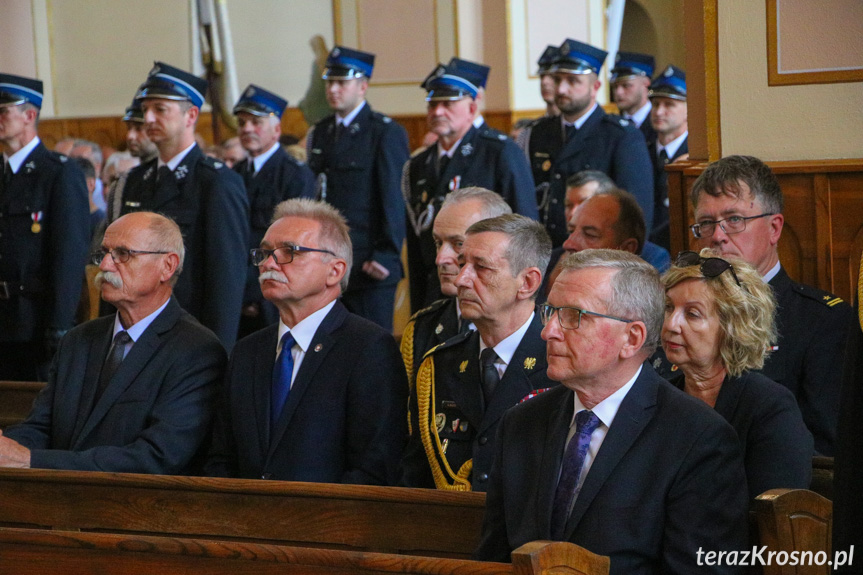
x=554, y=200
x=483, y=477
x=587, y=166
x=267, y=476
x=552, y=226
x=557, y=176
x=483, y=440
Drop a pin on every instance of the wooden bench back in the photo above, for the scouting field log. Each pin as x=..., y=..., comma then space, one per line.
x=39, y=552
x=16, y=400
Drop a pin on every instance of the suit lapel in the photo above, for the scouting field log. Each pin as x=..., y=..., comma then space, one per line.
x=319, y=349
x=636, y=410
x=583, y=136
x=262, y=382
x=138, y=357
x=553, y=444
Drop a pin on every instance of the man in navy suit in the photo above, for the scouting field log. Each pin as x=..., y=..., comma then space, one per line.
x=615, y=459
x=132, y=392
x=271, y=176
x=358, y=154
x=464, y=385
x=322, y=395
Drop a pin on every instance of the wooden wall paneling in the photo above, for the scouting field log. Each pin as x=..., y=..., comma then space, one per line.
x=847, y=227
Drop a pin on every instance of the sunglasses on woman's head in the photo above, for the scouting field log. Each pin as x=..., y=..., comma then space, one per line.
x=710, y=267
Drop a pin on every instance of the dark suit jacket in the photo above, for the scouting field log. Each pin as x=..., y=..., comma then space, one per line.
x=155, y=413
x=344, y=420
x=777, y=447
x=606, y=143
x=208, y=201
x=44, y=268
x=458, y=397
x=282, y=177
x=363, y=173
x=667, y=481
x=484, y=158
x=659, y=233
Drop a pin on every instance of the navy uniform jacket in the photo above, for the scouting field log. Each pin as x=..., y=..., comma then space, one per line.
x=282, y=177
x=484, y=158
x=660, y=234
x=458, y=422
x=667, y=480
x=42, y=263
x=427, y=328
x=208, y=202
x=777, y=447
x=155, y=413
x=344, y=420
x=606, y=143
x=646, y=129
x=363, y=170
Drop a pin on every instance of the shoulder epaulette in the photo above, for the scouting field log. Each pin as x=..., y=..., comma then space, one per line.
x=815, y=294
x=379, y=117
x=435, y=305
x=492, y=134
x=455, y=340
x=213, y=163
x=616, y=120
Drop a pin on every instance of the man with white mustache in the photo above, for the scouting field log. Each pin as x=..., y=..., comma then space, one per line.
x=320, y=396
x=131, y=392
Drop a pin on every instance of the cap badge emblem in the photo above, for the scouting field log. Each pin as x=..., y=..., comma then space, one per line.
x=564, y=49
x=668, y=72
x=336, y=53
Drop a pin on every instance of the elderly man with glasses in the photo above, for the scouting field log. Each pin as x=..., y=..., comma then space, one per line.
x=614, y=459
x=320, y=396
x=134, y=391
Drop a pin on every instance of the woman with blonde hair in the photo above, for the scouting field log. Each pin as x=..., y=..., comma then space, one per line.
x=718, y=327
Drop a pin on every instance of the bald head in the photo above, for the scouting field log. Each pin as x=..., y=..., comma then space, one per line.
x=610, y=220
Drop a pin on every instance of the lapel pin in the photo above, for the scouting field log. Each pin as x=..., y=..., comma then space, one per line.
x=454, y=424
x=439, y=422
x=438, y=329
x=529, y=363
x=319, y=347
x=462, y=426
x=462, y=367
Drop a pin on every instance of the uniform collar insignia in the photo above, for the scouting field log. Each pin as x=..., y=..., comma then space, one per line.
x=463, y=367
x=29, y=167
x=467, y=149
x=529, y=363
x=181, y=172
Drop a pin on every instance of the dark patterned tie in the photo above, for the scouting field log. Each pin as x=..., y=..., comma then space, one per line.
x=283, y=370
x=340, y=131
x=568, y=132
x=442, y=163
x=113, y=361
x=586, y=423
x=490, y=376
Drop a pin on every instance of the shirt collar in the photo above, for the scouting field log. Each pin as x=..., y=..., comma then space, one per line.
x=478, y=122
x=672, y=146
x=641, y=114
x=606, y=410
x=441, y=152
x=772, y=273
x=16, y=159
x=138, y=329
x=346, y=121
x=506, y=348
x=305, y=330
x=175, y=161
x=261, y=159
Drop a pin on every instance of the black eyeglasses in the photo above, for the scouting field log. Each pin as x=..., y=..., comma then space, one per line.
x=570, y=317
x=710, y=267
x=119, y=255
x=730, y=225
x=282, y=255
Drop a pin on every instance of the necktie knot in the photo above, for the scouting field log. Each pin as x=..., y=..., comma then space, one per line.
x=569, y=131
x=165, y=173
x=586, y=422
x=122, y=338
x=288, y=341
x=443, y=162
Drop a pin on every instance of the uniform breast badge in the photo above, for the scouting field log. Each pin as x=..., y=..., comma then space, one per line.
x=37, y=222
x=439, y=421
x=438, y=329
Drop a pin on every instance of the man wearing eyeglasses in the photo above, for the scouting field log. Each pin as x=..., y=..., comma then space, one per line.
x=322, y=395
x=738, y=205
x=615, y=459
x=464, y=385
x=131, y=392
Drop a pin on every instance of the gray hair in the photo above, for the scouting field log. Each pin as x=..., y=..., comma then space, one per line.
x=583, y=177
x=334, y=234
x=724, y=177
x=529, y=243
x=95, y=150
x=636, y=292
x=493, y=204
x=165, y=236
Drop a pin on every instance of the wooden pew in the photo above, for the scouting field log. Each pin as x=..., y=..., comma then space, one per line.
x=349, y=517
x=16, y=400
x=38, y=552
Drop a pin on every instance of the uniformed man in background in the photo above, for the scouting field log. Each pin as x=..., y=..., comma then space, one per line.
x=546, y=79
x=271, y=176
x=205, y=198
x=44, y=236
x=358, y=155
x=630, y=83
x=466, y=384
x=441, y=320
x=463, y=156
x=583, y=137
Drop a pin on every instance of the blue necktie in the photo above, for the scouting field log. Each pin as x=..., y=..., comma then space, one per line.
x=282, y=372
x=586, y=423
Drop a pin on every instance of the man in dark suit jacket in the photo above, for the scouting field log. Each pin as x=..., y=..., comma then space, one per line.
x=44, y=234
x=204, y=197
x=583, y=137
x=322, y=395
x=464, y=385
x=467, y=153
x=441, y=320
x=669, y=119
x=133, y=392
x=358, y=155
x=615, y=460
x=271, y=176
